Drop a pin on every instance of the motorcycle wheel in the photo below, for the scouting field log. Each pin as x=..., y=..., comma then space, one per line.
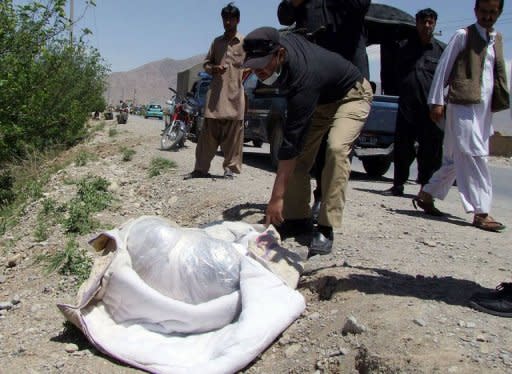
x=172, y=136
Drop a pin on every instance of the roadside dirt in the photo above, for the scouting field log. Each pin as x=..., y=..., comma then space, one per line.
x=404, y=277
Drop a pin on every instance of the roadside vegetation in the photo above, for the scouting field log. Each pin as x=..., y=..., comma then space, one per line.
x=158, y=165
x=49, y=86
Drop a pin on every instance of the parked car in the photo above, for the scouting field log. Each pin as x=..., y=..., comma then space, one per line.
x=266, y=115
x=375, y=144
x=154, y=111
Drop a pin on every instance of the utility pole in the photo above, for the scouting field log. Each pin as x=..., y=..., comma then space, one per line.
x=71, y=19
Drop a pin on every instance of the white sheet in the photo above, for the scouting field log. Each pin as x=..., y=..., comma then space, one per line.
x=132, y=322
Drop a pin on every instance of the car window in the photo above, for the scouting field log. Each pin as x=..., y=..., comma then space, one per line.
x=155, y=107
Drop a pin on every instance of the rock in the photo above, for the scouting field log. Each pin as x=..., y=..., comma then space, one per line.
x=5, y=305
x=292, y=350
x=453, y=369
x=461, y=324
x=353, y=327
x=420, y=322
x=314, y=316
x=70, y=348
x=16, y=300
x=13, y=261
x=481, y=338
x=430, y=243
x=113, y=187
x=470, y=325
x=2, y=279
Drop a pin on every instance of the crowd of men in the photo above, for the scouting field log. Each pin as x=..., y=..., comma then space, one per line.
x=447, y=96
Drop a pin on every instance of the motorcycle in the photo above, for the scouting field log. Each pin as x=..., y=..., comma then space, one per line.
x=122, y=117
x=181, y=122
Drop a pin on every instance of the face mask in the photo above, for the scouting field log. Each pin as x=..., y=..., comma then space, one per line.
x=272, y=79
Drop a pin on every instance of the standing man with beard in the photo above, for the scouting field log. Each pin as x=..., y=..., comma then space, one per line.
x=225, y=102
x=417, y=61
x=473, y=70
x=336, y=25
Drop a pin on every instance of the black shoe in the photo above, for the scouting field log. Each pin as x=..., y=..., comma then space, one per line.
x=321, y=244
x=295, y=227
x=315, y=210
x=497, y=303
x=228, y=174
x=394, y=191
x=197, y=174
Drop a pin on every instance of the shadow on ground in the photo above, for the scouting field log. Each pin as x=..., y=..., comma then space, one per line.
x=373, y=281
x=242, y=211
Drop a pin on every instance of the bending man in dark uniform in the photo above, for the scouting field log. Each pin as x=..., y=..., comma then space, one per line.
x=325, y=94
x=337, y=25
x=417, y=62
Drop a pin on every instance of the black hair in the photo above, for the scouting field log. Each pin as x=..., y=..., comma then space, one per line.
x=426, y=13
x=477, y=3
x=230, y=11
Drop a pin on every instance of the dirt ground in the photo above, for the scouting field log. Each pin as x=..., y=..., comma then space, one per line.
x=404, y=277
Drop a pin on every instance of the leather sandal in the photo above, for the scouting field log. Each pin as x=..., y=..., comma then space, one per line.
x=488, y=223
x=427, y=206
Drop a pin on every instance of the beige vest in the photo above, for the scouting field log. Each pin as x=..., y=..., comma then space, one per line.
x=466, y=76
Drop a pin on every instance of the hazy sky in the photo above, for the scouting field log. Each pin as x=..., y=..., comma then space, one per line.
x=130, y=33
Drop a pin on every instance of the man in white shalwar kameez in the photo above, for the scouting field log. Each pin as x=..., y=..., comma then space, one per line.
x=472, y=61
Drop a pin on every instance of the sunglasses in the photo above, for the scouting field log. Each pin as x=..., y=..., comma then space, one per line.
x=260, y=47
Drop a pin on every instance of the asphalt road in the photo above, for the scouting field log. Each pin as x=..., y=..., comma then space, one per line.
x=501, y=178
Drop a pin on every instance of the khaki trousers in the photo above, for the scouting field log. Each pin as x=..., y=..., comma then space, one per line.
x=229, y=134
x=343, y=120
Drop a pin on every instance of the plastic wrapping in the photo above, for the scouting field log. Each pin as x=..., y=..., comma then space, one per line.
x=184, y=264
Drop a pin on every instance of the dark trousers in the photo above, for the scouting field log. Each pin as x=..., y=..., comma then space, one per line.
x=430, y=148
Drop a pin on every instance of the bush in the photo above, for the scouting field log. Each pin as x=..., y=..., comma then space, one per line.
x=158, y=165
x=48, y=85
x=70, y=261
x=7, y=194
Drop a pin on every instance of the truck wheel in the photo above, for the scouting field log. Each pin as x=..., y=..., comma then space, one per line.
x=276, y=138
x=257, y=143
x=376, y=166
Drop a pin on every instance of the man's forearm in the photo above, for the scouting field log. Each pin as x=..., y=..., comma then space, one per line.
x=284, y=171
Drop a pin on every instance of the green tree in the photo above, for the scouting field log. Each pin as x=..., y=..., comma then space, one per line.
x=48, y=84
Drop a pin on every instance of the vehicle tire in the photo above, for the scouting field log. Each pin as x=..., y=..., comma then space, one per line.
x=172, y=136
x=146, y=117
x=257, y=143
x=276, y=138
x=376, y=166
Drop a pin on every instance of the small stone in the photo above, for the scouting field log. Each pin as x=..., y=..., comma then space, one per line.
x=353, y=327
x=5, y=305
x=453, y=369
x=13, y=261
x=16, y=300
x=430, y=243
x=314, y=316
x=481, y=338
x=2, y=279
x=70, y=348
x=292, y=350
x=470, y=325
x=461, y=324
x=420, y=322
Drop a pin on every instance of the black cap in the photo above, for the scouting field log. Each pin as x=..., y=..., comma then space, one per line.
x=259, y=46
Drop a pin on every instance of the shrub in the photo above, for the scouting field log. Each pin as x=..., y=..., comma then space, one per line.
x=158, y=165
x=127, y=154
x=48, y=85
x=72, y=260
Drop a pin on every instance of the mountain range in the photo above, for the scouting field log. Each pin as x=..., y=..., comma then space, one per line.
x=148, y=83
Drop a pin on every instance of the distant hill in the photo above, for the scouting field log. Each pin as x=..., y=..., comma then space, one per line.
x=149, y=82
